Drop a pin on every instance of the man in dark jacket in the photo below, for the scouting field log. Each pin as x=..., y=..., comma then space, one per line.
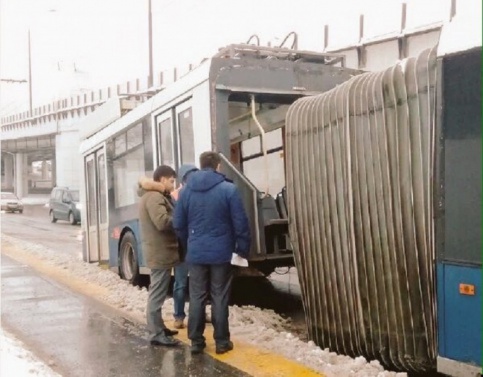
x=211, y=221
x=160, y=247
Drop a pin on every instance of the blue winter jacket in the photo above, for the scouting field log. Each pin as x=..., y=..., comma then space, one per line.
x=210, y=219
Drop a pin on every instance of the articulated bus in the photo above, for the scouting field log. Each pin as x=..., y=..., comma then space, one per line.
x=234, y=103
x=379, y=174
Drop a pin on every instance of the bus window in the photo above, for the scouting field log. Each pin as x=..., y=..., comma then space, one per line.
x=185, y=121
x=270, y=112
x=148, y=146
x=127, y=170
x=166, y=143
x=253, y=164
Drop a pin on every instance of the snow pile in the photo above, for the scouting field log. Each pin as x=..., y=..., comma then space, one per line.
x=18, y=361
x=253, y=325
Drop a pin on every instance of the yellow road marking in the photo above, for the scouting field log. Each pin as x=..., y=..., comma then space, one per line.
x=250, y=359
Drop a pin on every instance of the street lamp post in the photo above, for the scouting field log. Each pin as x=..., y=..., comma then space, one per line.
x=30, y=78
x=150, y=41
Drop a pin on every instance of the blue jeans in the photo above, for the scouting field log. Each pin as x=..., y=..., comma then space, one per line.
x=158, y=289
x=215, y=279
x=179, y=290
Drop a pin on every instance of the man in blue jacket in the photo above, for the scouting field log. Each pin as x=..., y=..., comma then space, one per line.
x=210, y=219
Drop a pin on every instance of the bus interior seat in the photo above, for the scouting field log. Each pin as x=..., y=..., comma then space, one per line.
x=269, y=210
x=276, y=228
x=281, y=205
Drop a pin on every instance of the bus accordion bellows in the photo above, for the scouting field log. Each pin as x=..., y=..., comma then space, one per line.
x=384, y=197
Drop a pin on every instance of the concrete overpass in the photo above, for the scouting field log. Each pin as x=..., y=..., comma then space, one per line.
x=40, y=150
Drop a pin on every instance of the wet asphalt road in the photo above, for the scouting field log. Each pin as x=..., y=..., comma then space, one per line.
x=78, y=336
x=34, y=226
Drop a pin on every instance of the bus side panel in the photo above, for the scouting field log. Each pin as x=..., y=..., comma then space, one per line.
x=459, y=312
x=113, y=249
x=459, y=221
x=134, y=225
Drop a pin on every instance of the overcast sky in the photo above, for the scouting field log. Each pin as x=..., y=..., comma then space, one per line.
x=106, y=40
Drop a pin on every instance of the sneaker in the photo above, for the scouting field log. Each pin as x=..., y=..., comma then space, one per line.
x=197, y=348
x=169, y=332
x=224, y=348
x=178, y=324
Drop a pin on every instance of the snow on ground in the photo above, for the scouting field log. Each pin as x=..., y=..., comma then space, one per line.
x=16, y=360
x=261, y=327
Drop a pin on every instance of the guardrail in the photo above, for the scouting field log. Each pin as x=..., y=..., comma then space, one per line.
x=82, y=104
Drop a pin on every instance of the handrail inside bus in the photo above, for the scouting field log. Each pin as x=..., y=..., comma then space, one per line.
x=264, y=144
x=255, y=197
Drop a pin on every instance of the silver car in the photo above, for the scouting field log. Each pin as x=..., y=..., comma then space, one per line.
x=10, y=203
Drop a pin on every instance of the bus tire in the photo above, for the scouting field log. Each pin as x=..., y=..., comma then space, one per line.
x=128, y=259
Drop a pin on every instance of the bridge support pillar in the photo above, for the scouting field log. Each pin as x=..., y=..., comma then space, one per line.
x=45, y=170
x=21, y=175
x=8, y=161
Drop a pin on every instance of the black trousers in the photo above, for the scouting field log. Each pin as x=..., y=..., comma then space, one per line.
x=215, y=279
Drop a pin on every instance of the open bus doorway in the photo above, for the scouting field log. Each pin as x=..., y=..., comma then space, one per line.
x=257, y=150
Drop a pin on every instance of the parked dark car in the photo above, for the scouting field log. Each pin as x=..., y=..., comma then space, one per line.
x=10, y=203
x=64, y=205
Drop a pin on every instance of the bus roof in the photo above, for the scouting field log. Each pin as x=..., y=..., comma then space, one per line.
x=228, y=70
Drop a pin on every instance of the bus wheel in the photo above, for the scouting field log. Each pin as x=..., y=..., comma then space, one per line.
x=128, y=261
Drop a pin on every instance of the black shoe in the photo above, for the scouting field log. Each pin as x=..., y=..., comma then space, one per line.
x=224, y=348
x=169, y=332
x=197, y=348
x=165, y=341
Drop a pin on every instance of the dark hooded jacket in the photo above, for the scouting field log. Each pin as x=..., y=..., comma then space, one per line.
x=210, y=219
x=159, y=242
